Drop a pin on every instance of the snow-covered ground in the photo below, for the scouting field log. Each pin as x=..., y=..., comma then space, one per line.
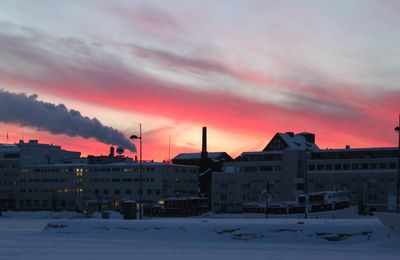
x=44, y=235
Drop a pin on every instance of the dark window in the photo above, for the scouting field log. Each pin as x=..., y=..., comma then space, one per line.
x=250, y=169
x=266, y=168
x=11, y=155
x=300, y=186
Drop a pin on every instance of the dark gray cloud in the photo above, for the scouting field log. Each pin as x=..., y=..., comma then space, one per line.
x=57, y=119
x=57, y=64
x=183, y=62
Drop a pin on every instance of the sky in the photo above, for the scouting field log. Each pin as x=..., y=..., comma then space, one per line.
x=244, y=69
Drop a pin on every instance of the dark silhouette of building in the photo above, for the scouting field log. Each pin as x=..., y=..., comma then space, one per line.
x=207, y=162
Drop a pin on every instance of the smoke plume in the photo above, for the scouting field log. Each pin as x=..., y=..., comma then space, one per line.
x=57, y=119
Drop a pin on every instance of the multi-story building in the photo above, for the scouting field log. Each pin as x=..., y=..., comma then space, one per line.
x=369, y=174
x=38, y=176
x=9, y=170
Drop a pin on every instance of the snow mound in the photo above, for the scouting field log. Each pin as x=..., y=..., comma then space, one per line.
x=217, y=230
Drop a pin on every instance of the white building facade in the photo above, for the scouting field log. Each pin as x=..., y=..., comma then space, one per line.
x=43, y=177
x=369, y=174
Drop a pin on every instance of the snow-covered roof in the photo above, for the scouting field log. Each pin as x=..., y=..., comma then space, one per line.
x=289, y=140
x=116, y=164
x=9, y=147
x=298, y=141
x=197, y=156
x=370, y=149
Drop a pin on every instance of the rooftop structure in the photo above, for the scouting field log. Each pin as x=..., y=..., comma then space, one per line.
x=289, y=140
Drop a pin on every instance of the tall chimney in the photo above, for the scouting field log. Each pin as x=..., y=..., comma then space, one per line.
x=204, y=140
x=112, y=151
x=204, y=153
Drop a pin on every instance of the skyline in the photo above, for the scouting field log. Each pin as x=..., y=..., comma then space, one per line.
x=244, y=70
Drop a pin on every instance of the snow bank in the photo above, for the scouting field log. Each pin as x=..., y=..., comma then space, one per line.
x=218, y=230
x=40, y=237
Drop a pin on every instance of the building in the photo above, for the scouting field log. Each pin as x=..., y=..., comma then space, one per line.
x=207, y=162
x=369, y=174
x=37, y=176
x=9, y=172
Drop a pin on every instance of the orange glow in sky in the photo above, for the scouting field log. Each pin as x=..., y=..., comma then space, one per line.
x=246, y=71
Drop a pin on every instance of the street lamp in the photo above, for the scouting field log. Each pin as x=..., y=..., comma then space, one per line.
x=397, y=129
x=306, y=199
x=140, y=168
x=266, y=192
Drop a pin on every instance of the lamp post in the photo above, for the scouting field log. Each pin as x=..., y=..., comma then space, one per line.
x=397, y=129
x=306, y=200
x=140, y=168
x=266, y=193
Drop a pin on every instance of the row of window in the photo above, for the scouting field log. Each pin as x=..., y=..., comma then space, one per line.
x=105, y=180
x=46, y=203
x=8, y=174
x=94, y=191
x=352, y=166
x=262, y=168
x=355, y=154
x=47, y=180
x=8, y=165
x=95, y=180
x=8, y=183
x=261, y=157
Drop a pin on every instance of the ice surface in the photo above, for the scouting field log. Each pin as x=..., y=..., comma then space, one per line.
x=44, y=235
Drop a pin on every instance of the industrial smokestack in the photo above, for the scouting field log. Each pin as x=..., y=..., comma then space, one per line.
x=204, y=140
x=57, y=119
x=204, y=153
x=112, y=149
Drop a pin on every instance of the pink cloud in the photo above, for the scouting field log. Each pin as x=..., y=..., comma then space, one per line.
x=351, y=116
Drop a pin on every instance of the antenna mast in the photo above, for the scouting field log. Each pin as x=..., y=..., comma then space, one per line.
x=169, y=149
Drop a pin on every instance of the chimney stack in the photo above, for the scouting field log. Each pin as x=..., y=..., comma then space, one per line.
x=204, y=140
x=112, y=151
x=204, y=153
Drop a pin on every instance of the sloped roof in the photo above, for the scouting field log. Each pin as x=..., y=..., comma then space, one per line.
x=293, y=141
x=197, y=156
x=298, y=141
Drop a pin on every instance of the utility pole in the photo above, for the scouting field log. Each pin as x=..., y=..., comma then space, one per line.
x=306, y=186
x=397, y=129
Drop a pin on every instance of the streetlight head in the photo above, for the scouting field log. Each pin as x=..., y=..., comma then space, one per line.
x=134, y=137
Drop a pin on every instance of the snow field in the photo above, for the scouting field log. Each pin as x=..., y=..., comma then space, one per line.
x=41, y=235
